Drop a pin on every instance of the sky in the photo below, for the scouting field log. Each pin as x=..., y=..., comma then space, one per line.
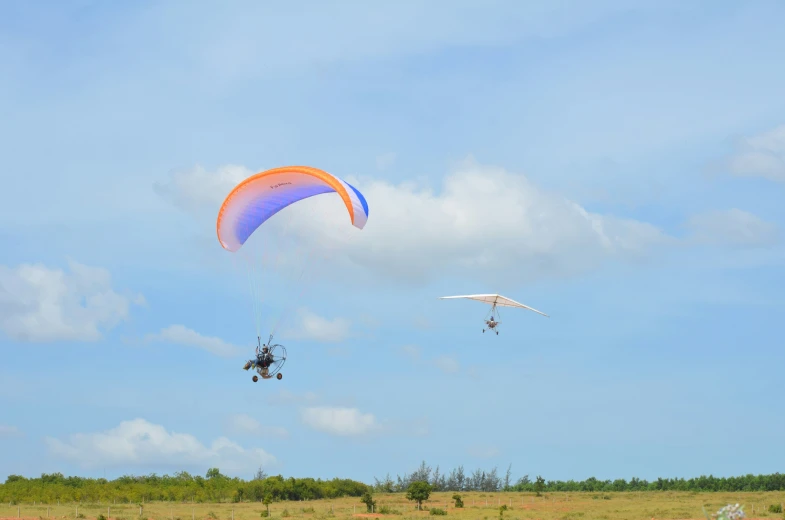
x=620, y=168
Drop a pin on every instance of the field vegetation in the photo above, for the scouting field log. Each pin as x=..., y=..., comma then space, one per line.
x=479, y=495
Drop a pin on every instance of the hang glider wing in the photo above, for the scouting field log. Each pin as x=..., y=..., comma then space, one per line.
x=494, y=299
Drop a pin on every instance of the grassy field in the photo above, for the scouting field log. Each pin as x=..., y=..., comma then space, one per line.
x=477, y=506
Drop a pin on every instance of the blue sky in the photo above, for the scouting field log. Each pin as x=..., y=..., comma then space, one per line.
x=621, y=169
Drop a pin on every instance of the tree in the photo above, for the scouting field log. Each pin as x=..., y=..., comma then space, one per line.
x=522, y=483
x=213, y=472
x=418, y=491
x=260, y=474
x=423, y=473
x=436, y=480
x=507, y=478
x=384, y=486
x=458, y=500
x=539, y=485
x=460, y=478
x=268, y=499
x=368, y=500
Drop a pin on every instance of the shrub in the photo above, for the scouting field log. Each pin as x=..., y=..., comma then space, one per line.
x=368, y=500
x=285, y=513
x=458, y=500
x=387, y=510
x=437, y=511
x=308, y=510
x=265, y=514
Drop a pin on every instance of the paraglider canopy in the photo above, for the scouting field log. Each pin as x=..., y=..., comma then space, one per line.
x=260, y=196
x=496, y=300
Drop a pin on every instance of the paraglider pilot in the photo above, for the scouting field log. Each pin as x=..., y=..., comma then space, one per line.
x=263, y=359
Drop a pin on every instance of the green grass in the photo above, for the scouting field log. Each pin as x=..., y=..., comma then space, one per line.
x=477, y=506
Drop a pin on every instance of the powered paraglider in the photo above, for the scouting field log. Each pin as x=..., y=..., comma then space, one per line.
x=254, y=201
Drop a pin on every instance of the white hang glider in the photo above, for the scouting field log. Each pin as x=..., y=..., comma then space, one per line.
x=494, y=300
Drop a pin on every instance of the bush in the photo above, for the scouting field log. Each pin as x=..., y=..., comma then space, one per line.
x=458, y=500
x=265, y=514
x=101, y=517
x=285, y=513
x=775, y=508
x=437, y=511
x=368, y=500
x=387, y=510
x=308, y=510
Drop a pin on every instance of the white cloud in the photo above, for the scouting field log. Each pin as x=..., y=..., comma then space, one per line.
x=311, y=326
x=339, y=421
x=762, y=155
x=41, y=304
x=140, y=443
x=733, y=227
x=243, y=424
x=7, y=431
x=181, y=335
x=485, y=220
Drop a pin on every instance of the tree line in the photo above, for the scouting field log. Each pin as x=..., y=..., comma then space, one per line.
x=180, y=487
x=481, y=480
x=216, y=487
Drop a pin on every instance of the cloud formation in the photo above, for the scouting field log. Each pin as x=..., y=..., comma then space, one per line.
x=39, y=304
x=181, y=335
x=345, y=422
x=732, y=227
x=243, y=424
x=761, y=155
x=140, y=443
